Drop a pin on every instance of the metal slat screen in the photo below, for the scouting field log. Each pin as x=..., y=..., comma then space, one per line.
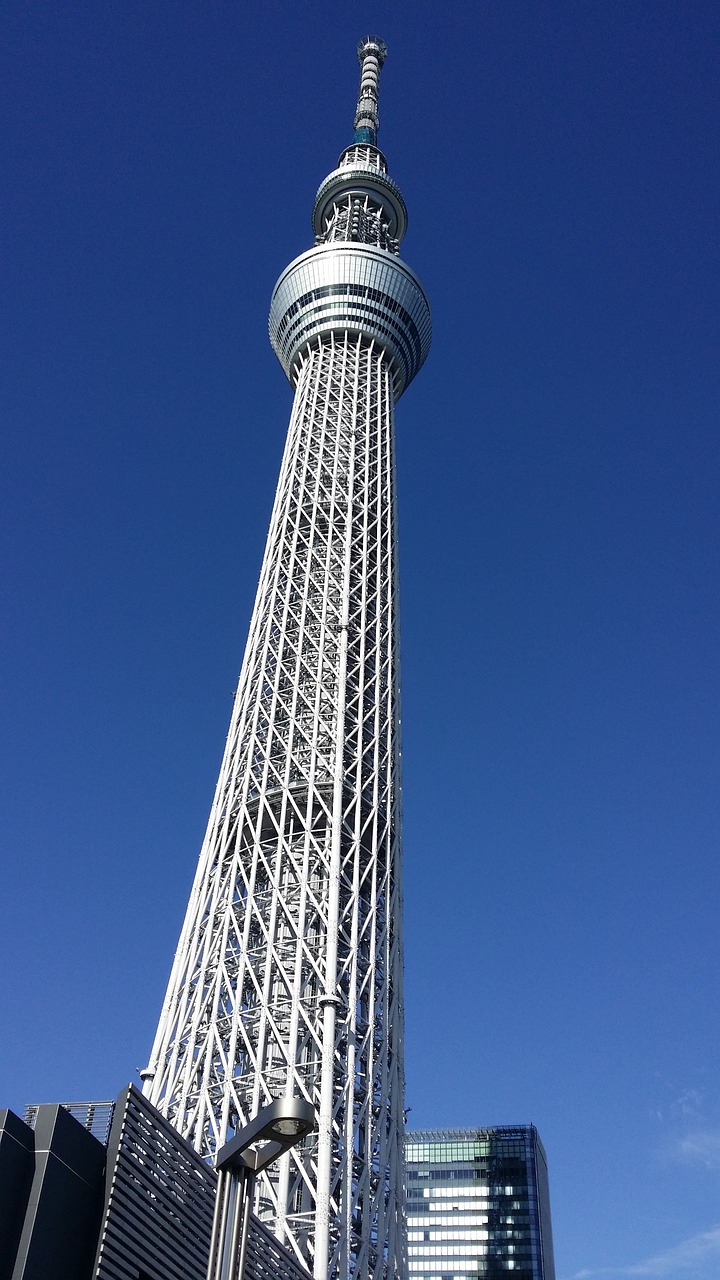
x=160, y=1203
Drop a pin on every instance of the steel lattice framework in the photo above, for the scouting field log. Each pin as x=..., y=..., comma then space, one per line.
x=288, y=975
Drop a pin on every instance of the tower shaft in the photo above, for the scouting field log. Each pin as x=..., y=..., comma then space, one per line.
x=288, y=975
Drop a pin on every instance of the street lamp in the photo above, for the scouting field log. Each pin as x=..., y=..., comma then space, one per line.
x=274, y=1131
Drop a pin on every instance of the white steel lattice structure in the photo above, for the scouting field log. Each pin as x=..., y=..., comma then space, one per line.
x=288, y=974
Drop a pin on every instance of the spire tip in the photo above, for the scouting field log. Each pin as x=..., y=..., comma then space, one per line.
x=374, y=45
x=372, y=53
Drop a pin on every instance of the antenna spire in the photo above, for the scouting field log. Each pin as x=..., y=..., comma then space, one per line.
x=372, y=52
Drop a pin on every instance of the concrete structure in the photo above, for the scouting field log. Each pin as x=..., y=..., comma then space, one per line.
x=478, y=1205
x=288, y=976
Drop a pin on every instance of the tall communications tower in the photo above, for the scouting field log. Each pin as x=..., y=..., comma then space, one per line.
x=288, y=974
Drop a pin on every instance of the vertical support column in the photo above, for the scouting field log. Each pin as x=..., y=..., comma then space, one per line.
x=330, y=999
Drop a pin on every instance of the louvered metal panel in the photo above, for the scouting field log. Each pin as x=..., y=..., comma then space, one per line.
x=160, y=1199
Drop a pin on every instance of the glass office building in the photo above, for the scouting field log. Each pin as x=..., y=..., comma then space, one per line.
x=478, y=1204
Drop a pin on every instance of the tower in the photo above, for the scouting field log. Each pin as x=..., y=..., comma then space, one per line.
x=288, y=974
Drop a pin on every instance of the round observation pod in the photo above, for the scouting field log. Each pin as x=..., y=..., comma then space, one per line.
x=351, y=288
x=363, y=181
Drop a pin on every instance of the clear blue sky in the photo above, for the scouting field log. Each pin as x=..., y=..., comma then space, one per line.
x=558, y=464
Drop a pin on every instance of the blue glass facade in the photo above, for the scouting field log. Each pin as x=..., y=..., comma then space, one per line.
x=478, y=1205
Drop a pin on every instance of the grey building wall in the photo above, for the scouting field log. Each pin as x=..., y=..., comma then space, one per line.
x=64, y=1202
x=17, y=1165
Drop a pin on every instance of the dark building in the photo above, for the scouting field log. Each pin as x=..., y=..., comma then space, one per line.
x=135, y=1202
x=17, y=1165
x=53, y=1215
x=478, y=1204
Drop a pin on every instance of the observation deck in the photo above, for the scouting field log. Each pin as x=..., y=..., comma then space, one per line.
x=345, y=287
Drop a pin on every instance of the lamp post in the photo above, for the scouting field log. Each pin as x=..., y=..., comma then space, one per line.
x=275, y=1129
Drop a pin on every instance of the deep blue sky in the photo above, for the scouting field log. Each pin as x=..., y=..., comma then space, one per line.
x=558, y=471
